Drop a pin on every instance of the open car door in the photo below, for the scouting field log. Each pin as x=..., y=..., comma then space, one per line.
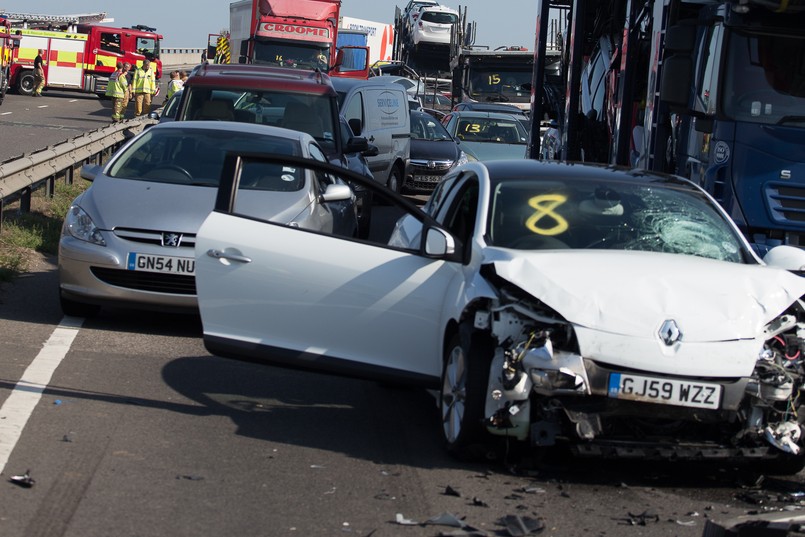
x=285, y=296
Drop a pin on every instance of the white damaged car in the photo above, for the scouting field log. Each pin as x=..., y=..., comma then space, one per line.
x=621, y=313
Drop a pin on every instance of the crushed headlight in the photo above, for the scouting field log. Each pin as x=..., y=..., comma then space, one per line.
x=78, y=224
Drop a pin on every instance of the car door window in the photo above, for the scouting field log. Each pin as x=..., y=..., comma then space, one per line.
x=322, y=179
x=354, y=111
x=461, y=215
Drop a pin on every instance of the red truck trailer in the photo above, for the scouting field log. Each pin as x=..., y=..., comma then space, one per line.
x=80, y=53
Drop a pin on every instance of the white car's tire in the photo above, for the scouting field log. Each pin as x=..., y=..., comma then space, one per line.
x=465, y=376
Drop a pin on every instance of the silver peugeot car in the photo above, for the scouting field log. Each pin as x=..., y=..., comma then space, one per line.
x=129, y=239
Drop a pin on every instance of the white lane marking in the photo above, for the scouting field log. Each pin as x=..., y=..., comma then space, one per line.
x=22, y=401
x=5, y=113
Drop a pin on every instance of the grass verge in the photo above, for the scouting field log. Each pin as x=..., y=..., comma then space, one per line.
x=22, y=234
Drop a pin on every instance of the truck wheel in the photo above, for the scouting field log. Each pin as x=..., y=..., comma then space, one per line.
x=25, y=85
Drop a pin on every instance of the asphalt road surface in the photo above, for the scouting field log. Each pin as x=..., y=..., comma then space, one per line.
x=128, y=427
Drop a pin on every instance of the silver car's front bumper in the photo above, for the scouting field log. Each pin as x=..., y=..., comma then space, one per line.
x=99, y=275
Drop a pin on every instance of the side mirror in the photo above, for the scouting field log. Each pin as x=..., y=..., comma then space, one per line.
x=357, y=144
x=371, y=151
x=786, y=257
x=439, y=243
x=339, y=59
x=90, y=171
x=337, y=193
x=677, y=75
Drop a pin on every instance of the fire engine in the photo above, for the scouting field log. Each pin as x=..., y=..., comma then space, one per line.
x=8, y=42
x=80, y=53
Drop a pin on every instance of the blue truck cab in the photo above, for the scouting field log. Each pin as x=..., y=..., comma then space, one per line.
x=735, y=83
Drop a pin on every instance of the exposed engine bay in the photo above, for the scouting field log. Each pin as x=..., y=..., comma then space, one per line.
x=543, y=390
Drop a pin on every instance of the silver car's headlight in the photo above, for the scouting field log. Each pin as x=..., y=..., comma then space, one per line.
x=78, y=224
x=462, y=159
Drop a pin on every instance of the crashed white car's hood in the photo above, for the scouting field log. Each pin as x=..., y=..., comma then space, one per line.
x=634, y=293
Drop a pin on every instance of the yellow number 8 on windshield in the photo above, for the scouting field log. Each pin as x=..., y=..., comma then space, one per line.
x=545, y=205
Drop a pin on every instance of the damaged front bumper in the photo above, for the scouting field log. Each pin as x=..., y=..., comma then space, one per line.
x=547, y=395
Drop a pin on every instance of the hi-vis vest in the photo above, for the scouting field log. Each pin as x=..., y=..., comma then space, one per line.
x=144, y=81
x=117, y=86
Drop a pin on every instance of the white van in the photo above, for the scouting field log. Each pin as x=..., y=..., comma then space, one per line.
x=377, y=109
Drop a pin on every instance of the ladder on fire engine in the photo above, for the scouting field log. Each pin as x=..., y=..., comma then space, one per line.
x=26, y=20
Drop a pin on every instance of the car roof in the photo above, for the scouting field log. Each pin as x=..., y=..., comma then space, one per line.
x=233, y=126
x=255, y=76
x=438, y=8
x=491, y=107
x=346, y=84
x=478, y=114
x=529, y=169
x=420, y=3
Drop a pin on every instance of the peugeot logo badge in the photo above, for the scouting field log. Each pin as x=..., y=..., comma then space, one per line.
x=171, y=239
x=670, y=333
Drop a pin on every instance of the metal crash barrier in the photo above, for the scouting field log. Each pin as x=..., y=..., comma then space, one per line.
x=23, y=175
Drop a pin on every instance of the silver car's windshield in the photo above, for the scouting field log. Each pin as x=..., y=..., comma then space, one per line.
x=196, y=156
x=538, y=215
x=481, y=129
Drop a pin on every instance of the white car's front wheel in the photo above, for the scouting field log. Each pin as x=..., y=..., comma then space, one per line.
x=464, y=382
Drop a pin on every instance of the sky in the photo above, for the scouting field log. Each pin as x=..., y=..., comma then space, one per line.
x=185, y=24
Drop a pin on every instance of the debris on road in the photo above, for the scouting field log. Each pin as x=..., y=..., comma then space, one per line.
x=519, y=526
x=450, y=491
x=190, y=477
x=641, y=519
x=25, y=480
x=400, y=519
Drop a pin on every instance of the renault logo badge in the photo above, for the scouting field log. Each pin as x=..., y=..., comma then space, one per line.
x=670, y=333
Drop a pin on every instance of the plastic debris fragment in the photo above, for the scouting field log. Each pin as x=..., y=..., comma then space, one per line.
x=450, y=491
x=446, y=519
x=642, y=519
x=400, y=519
x=190, y=477
x=477, y=502
x=784, y=436
x=25, y=480
x=519, y=526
